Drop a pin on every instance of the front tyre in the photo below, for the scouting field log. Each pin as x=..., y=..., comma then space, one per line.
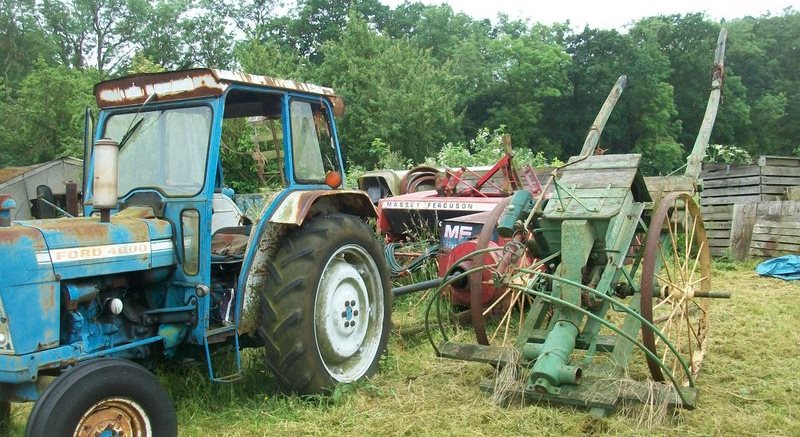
x=104, y=397
x=326, y=305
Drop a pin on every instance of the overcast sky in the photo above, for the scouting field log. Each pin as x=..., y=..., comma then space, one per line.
x=609, y=13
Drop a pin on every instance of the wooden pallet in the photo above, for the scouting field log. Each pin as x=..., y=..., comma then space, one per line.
x=727, y=185
x=765, y=229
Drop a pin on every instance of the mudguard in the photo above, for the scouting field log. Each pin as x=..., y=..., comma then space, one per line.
x=297, y=206
x=292, y=211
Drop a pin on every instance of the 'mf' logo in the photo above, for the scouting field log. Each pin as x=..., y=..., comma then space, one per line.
x=453, y=234
x=457, y=232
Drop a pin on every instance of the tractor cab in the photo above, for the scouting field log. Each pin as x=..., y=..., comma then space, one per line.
x=173, y=131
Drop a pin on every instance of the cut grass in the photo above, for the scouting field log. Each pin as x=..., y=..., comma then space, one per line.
x=748, y=386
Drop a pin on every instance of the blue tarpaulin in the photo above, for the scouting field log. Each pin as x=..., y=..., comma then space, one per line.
x=785, y=267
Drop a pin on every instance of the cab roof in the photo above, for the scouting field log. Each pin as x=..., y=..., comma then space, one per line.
x=194, y=83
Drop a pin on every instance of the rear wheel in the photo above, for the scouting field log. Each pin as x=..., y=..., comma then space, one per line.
x=104, y=397
x=326, y=305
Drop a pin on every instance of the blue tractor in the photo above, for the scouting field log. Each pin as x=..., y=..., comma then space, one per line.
x=156, y=269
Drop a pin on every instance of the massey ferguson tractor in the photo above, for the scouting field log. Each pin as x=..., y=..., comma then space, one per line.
x=148, y=273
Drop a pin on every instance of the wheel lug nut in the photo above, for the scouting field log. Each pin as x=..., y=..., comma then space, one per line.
x=347, y=303
x=344, y=313
x=346, y=324
x=352, y=303
x=352, y=323
x=355, y=312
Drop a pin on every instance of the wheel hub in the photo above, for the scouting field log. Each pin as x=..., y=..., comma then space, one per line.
x=115, y=417
x=346, y=291
x=348, y=313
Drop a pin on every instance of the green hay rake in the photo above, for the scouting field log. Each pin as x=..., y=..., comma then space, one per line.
x=600, y=256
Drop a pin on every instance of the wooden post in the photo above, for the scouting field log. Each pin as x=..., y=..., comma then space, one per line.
x=744, y=217
x=72, y=198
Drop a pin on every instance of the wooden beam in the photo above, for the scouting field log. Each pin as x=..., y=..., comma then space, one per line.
x=779, y=161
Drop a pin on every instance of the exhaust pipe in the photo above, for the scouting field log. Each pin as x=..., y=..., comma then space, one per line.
x=104, y=187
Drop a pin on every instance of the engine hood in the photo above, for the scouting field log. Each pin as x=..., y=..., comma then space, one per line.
x=79, y=247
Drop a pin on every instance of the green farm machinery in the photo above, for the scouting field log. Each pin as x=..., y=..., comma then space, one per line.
x=602, y=282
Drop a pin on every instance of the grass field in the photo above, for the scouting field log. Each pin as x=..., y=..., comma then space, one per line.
x=749, y=386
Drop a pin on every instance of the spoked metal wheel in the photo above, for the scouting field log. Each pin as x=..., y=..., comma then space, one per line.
x=676, y=284
x=348, y=313
x=498, y=318
x=114, y=417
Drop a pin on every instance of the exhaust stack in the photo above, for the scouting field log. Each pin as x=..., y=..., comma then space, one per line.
x=104, y=189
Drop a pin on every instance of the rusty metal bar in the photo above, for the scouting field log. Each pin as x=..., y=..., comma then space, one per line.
x=695, y=159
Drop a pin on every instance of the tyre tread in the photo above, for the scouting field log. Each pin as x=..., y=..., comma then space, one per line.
x=285, y=329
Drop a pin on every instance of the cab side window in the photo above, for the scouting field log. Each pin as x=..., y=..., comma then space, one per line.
x=313, y=149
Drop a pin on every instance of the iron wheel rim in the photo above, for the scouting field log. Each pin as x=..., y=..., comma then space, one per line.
x=667, y=295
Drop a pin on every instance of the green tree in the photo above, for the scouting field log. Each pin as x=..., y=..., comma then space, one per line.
x=599, y=57
x=271, y=59
x=101, y=33
x=688, y=41
x=316, y=22
x=393, y=91
x=22, y=41
x=660, y=158
x=253, y=17
x=529, y=73
x=163, y=35
x=209, y=35
x=47, y=113
x=763, y=52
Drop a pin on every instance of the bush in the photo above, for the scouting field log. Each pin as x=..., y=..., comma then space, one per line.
x=723, y=154
x=486, y=149
x=660, y=158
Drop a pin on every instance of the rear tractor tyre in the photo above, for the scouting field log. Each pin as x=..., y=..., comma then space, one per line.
x=326, y=305
x=104, y=397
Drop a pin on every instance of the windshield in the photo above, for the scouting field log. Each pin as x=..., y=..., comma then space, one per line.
x=167, y=151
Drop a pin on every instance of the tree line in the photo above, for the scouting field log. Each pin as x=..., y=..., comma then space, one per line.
x=415, y=77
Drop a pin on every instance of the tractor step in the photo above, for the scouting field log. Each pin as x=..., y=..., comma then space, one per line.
x=602, y=396
x=236, y=374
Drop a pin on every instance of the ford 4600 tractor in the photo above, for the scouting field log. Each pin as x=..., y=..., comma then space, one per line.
x=152, y=271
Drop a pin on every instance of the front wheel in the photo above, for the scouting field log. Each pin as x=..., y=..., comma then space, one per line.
x=104, y=397
x=326, y=305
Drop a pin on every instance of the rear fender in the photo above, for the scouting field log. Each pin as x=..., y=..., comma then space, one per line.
x=293, y=210
x=299, y=205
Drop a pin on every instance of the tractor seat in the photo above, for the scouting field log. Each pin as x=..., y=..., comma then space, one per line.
x=228, y=245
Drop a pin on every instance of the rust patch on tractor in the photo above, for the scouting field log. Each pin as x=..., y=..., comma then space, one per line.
x=168, y=86
x=19, y=234
x=47, y=297
x=88, y=231
x=196, y=83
